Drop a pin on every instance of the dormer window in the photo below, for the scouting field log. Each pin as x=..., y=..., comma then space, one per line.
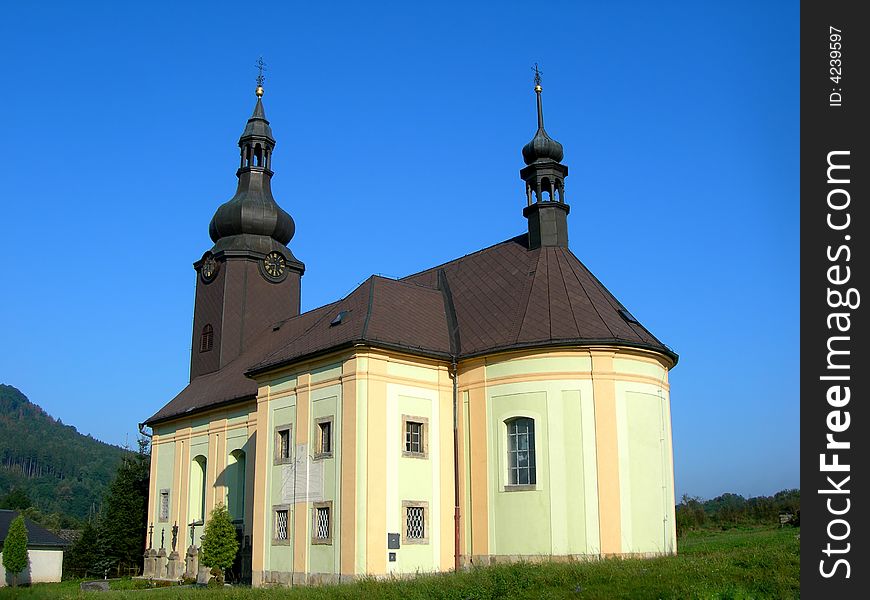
x=206, y=340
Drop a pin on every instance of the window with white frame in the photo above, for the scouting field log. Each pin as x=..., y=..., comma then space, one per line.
x=415, y=443
x=521, y=451
x=321, y=523
x=415, y=525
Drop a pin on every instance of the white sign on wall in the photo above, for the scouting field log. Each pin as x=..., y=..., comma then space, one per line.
x=302, y=479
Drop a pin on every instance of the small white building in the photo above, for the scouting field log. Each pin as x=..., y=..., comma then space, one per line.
x=44, y=549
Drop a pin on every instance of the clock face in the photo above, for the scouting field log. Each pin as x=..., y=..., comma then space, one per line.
x=209, y=268
x=274, y=265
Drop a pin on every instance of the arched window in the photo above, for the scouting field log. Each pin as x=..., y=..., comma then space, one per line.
x=521, y=451
x=236, y=484
x=196, y=503
x=206, y=340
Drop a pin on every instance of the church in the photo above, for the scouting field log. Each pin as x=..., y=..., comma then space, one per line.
x=502, y=406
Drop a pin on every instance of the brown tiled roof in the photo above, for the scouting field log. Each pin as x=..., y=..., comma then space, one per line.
x=505, y=297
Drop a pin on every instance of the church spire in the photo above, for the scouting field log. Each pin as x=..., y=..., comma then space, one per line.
x=545, y=184
x=251, y=220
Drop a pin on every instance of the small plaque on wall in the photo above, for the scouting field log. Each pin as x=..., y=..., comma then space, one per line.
x=392, y=557
x=393, y=541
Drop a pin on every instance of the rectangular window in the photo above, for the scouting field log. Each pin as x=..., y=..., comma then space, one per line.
x=283, y=444
x=163, y=515
x=321, y=526
x=323, y=437
x=521, y=451
x=415, y=443
x=415, y=526
x=281, y=524
x=413, y=437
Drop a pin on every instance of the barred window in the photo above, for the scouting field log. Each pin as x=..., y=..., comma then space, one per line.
x=415, y=523
x=206, y=340
x=415, y=527
x=321, y=526
x=281, y=524
x=521, y=451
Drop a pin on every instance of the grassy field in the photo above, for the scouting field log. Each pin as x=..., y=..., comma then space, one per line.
x=735, y=564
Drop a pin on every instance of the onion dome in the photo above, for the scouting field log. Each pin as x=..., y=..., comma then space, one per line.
x=542, y=146
x=251, y=219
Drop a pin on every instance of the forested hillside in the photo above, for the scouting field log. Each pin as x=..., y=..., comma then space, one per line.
x=59, y=469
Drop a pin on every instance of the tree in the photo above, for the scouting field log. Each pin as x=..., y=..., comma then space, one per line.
x=15, y=557
x=219, y=543
x=123, y=524
x=84, y=554
x=16, y=499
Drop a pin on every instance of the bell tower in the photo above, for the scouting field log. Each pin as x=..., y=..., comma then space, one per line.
x=545, y=175
x=249, y=278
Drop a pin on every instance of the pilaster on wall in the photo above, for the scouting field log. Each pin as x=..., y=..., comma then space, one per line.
x=260, y=532
x=153, y=504
x=376, y=491
x=181, y=479
x=347, y=560
x=300, y=509
x=606, y=450
x=473, y=380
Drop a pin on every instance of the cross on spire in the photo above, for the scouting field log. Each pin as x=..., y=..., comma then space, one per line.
x=261, y=66
x=538, y=74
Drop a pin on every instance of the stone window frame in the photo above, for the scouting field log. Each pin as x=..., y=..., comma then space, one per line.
x=276, y=541
x=424, y=421
x=519, y=487
x=161, y=518
x=406, y=504
x=278, y=459
x=315, y=507
x=318, y=439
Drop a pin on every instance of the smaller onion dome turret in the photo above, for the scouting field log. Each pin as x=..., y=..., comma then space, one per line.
x=542, y=146
x=544, y=176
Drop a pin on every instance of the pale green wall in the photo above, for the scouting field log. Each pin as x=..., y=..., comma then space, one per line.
x=521, y=519
x=165, y=472
x=646, y=487
x=560, y=516
x=415, y=483
x=323, y=402
x=324, y=558
x=282, y=411
x=410, y=478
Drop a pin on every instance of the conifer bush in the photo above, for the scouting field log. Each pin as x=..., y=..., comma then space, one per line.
x=15, y=558
x=219, y=543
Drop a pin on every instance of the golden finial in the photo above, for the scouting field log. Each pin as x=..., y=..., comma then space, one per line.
x=538, y=74
x=261, y=66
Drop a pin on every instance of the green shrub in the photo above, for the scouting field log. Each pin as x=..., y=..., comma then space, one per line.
x=219, y=543
x=15, y=557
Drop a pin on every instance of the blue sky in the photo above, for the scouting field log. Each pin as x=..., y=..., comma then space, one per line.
x=399, y=131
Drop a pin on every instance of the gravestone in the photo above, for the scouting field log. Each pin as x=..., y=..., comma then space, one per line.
x=191, y=567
